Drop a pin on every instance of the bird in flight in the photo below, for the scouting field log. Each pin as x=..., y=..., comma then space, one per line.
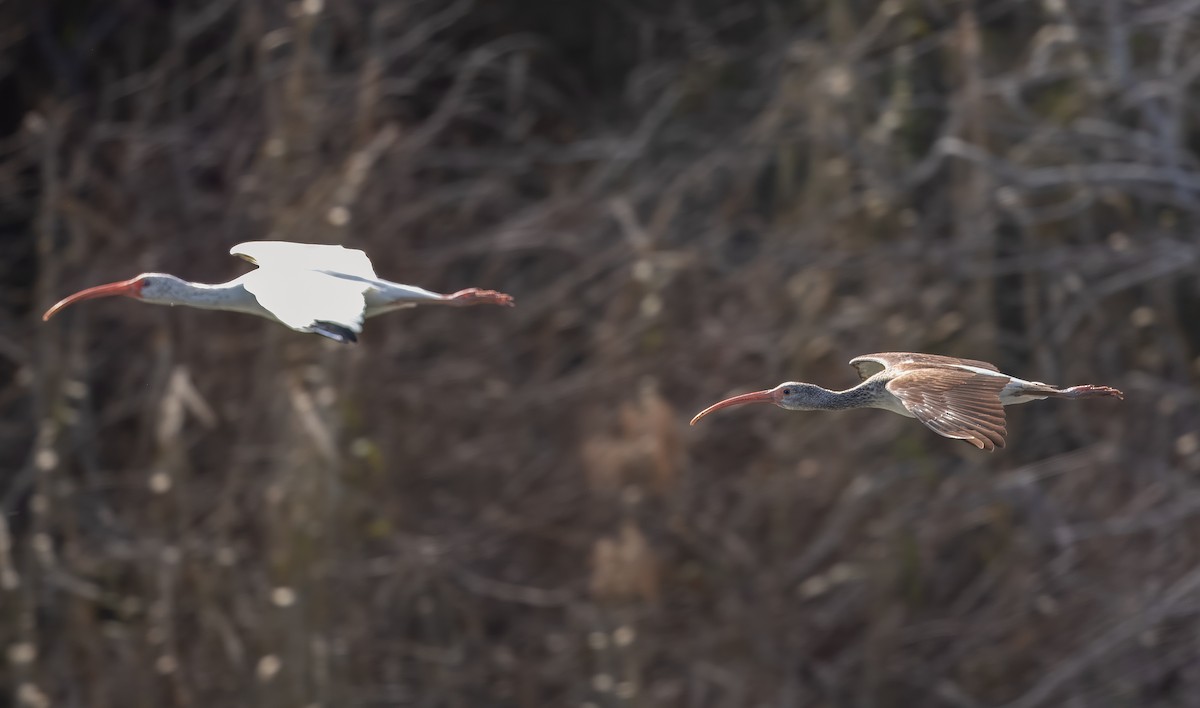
x=323, y=289
x=957, y=398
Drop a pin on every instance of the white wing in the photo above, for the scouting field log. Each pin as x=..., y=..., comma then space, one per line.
x=304, y=299
x=299, y=284
x=285, y=255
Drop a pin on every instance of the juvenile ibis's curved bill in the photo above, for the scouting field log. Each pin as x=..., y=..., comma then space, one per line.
x=767, y=396
x=128, y=288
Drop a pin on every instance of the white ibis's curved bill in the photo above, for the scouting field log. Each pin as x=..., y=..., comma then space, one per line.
x=128, y=288
x=767, y=396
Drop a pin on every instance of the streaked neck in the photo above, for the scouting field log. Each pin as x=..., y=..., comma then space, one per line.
x=861, y=396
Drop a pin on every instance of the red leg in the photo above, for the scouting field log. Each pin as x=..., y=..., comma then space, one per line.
x=1089, y=390
x=475, y=296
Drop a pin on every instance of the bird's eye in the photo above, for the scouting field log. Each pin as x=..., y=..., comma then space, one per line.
x=787, y=391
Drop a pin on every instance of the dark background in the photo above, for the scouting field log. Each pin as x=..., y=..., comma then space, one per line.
x=688, y=199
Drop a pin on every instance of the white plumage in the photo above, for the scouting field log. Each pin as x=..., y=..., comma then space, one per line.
x=304, y=285
x=325, y=289
x=306, y=256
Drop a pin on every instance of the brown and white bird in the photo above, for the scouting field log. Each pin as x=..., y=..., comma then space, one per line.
x=962, y=399
x=323, y=289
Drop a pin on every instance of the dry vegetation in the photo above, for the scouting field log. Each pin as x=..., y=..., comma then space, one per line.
x=506, y=507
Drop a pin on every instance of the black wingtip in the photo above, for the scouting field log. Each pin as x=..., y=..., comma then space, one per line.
x=336, y=332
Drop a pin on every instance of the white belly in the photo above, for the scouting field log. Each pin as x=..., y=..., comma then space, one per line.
x=1009, y=395
x=889, y=402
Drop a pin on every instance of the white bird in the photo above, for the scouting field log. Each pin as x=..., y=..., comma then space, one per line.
x=327, y=290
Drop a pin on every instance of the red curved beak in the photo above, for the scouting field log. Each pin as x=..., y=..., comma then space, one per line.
x=128, y=288
x=767, y=396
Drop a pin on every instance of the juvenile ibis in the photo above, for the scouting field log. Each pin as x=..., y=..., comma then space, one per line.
x=323, y=289
x=957, y=398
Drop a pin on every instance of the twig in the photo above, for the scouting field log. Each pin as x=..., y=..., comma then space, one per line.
x=1171, y=602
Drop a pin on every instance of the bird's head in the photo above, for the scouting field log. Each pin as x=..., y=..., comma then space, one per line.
x=151, y=287
x=792, y=395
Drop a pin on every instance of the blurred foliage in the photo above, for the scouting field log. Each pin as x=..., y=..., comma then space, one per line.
x=687, y=199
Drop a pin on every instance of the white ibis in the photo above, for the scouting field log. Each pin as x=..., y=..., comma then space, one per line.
x=327, y=290
x=957, y=398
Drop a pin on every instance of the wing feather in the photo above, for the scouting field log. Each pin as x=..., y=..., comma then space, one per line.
x=870, y=364
x=306, y=256
x=301, y=299
x=955, y=403
x=308, y=285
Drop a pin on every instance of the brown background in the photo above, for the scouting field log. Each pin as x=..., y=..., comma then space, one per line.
x=493, y=507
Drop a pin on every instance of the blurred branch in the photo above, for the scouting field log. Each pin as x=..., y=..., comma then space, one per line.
x=510, y=592
x=455, y=100
x=1176, y=601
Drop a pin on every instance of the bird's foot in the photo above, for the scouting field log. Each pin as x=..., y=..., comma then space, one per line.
x=475, y=296
x=1089, y=390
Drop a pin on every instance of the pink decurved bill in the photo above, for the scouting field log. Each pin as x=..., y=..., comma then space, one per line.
x=767, y=396
x=128, y=288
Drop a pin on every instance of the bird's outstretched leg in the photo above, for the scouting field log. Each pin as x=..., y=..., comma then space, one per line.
x=1090, y=390
x=475, y=296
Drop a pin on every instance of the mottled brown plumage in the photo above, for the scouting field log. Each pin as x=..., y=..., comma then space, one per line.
x=957, y=398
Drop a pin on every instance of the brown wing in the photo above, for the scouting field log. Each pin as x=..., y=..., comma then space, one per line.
x=955, y=403
x=870, y=364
